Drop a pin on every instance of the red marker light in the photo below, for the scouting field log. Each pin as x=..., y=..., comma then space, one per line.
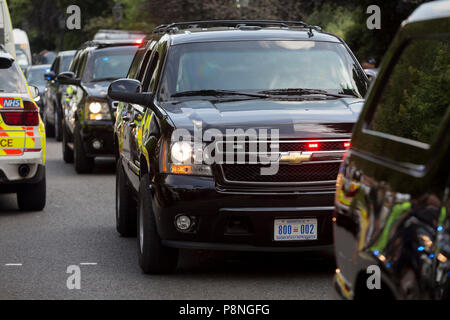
x=313, y=146
x=139, y=41
x=347, y=145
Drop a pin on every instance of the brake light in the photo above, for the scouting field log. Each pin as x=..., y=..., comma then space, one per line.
x=12, y=118
x=139, y=41
x=28, y=116
x=313, y=146
x=347, y=145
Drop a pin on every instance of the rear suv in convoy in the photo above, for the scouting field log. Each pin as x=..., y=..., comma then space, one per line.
x=229, y=136
x=22, y=138
x=392, y=199
x=53, y=93
x=87, y=122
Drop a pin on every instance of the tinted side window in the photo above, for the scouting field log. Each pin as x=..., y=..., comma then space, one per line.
x=82, y=63
x=141, y=73
x=150, y=71
x=74, y=64
x=54, y=67
x=137, y=61
x=416, y=97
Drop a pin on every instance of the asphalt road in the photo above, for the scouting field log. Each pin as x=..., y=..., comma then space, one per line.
x=78, y=228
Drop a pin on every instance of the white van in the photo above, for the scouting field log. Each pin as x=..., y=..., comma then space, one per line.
x=6, y=31
x=22, y=43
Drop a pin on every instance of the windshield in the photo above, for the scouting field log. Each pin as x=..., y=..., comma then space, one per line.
x=11, y=79
x=35, y=76
x=109, y=63
x=22, y=59
x=260, y=66
x=65, y=62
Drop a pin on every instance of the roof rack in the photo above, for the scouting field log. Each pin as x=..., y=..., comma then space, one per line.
x=176, y=26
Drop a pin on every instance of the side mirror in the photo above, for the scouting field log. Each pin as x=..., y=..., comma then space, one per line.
x=34, y=92
x=67, y=77
x=50, y=75
x=129, y=91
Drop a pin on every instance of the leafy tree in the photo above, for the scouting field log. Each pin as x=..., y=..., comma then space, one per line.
x=43, y=19
x=374, y=43
x=333, y=18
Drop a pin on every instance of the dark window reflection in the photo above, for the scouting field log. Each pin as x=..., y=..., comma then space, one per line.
x=417, y=96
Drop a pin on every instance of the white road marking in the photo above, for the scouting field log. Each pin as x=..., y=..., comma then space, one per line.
x=88, y=263
x=13, y=265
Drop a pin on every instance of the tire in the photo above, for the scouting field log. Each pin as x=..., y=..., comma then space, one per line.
x=126, y=206
x=32, y=197
x=83, y=164
x=154, y=258
x=67, y=152
x=58, y=126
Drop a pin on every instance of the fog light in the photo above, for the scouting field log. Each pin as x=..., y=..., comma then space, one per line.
x=183, y=223
x=96, y=144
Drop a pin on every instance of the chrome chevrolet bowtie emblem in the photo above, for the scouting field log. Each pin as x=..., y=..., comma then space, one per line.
x=295, y=157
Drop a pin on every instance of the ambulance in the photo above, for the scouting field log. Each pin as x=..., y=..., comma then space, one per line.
x=22, y=138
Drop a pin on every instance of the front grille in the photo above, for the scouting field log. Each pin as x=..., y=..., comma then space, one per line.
x=323, y=146
x=287, y=173
x=283, y=146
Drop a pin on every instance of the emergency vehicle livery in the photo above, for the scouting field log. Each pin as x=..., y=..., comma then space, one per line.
x=22, y=138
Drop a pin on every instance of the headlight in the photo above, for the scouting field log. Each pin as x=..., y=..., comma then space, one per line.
x=95, y=107
x=180, y=159
x=181, y=152
x=96, y=110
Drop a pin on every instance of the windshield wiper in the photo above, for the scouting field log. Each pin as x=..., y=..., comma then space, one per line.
x=218, y=93
x=304, y=92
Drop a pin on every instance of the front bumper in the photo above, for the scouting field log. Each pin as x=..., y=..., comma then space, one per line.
x=238, y=221
x=101, y=131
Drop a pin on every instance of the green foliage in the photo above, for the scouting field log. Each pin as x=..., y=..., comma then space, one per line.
x=416, y=97
x=41, y=19
x=374, y=43
x=332, y=18
x=137, y=16
x=44, y=21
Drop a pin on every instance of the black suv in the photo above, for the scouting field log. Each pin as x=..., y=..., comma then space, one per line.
x=392, y=226
x=53, y=93
x=87, y=122
x=278, y=100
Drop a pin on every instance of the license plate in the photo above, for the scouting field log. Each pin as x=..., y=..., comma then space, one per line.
x=295, y=229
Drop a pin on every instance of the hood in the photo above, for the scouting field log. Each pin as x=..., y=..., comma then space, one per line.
x=294, y=119
x=97, y=89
